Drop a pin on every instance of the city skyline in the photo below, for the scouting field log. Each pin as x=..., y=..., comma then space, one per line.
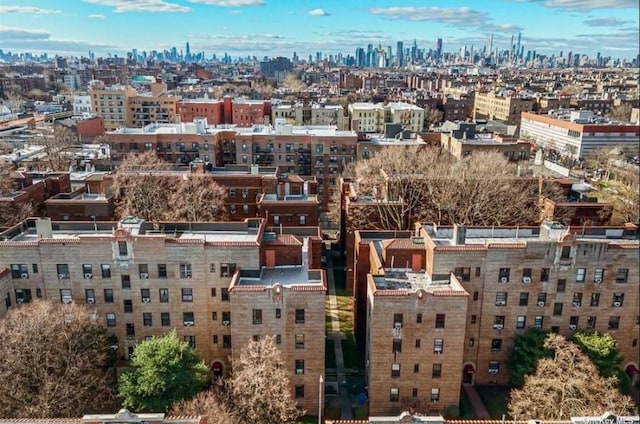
x=272, y=27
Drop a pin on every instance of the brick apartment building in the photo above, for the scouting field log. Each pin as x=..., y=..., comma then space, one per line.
x=465, y=140
x=490, y=284
x=202, y=279
x=504, y=108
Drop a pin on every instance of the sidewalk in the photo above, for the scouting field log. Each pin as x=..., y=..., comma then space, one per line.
x=336, y=335
x=477, y=404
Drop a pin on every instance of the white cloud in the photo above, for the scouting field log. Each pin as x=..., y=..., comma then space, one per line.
x=606, y=22
x=13, y=33
x=28, y=9
x=318, y=12
x=122, y=6
x=231, y=3
x=586, y=5
x=96, y=16
x=38, y=40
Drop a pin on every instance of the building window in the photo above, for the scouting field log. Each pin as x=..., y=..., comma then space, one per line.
x=436, y=371
x=524, y=298
x=299, y=391
x=494, y=367
x=276, y=219
x=521, y=321
x=185, y=270
x=396, y=345
x=106, y=270
x=278, y=339
x=598, y=276
x=438, y=346
x=557, y=309
x=214, y=292
x=164, y=295
x=278, y=313
x=224, y=294
x=538, y=321
x=191, y=340
x=187, y=295
x=215, y=339
x=474, y=319
x=503, y=275
x=501, y=299
x=478, y=271
x=145, y=295
x=435, y=395
x=122, y=248
x=394, y=394
x=162, y=270
x=544, y=275
x=419, y=318
x=125, y=281
x=227, y=270
x=65, y=296
x=226, y=317
x=614, y=323
x=257, y=316
x=35, y=268
x=440, y=320
x=496, y=345
x=542, y=299
x=463, y=274
x=147, y=321
x=526, y=275
x=621, y=275
x=299, y=366
x=395, y=370
x=299, y=316
x=128, y=305
x=618, y=300
x=581, y=275
x=165, y=319
x=476, y=295
x=63, y=271
x=188, y=319
x=111, y=320
x=299, y=341
x=416, y=368
x=108, y=295
x=90, y=296
x=591, y=322
x=561, y=285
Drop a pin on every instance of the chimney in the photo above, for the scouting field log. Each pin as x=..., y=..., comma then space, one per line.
x=459, y=234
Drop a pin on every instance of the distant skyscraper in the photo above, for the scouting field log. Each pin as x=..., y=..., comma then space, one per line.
x=400, y=54
x=439, y=48
x=188, y=50
x=518, y=45
x=490, y=47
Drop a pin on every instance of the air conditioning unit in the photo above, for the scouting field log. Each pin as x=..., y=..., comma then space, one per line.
x=67, y=300
x=576, y=304
x=91, y=300
x=88, y=276
x=597, y=280
x=188, y=323
x=146, y=300
x=114, y=346
x=541, y=304
x=20, y=300
x=299, y=371
x=617, y=304
x=538, y=325
x=437, y=351
x=573, y=327
x=225, y=274
x=504, y=279
x=526, y=280
x=493, y=371
x=62, y=276
x=497, y=326
x=225, y=323
x=500, y=303
x=24, y=275
x=144, y=275
x=397, y=326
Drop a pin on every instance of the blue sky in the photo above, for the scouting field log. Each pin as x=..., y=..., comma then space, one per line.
x=280, y=27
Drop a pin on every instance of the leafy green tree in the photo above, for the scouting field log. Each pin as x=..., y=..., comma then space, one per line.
x=165, y=370
x=567, y=385
x=603, y=351
x=528, y=349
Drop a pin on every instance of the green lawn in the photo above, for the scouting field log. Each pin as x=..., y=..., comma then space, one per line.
x=330, y=354
x=495, y=399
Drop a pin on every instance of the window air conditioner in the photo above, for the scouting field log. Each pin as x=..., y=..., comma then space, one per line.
x=20, y=300
x=437, y=351
x=146, y=300
x=62, y=276
x=188, y=323
x=299, y=371
x=504, y=280
x=144, y=275
x=597, y=280
x=493, y=371
x=573, y=327
x=497, y=326
x=24, y=276
x=88, y=276
x=526, y=280
x=576, y=304
x=91, y=300
x=225, y=274
x=225, y=323
x=541, y=304
x=500, y=303
x=114, y=346
x=617, y=304
x=538, y=325
x=397, y=325
x=67, y=300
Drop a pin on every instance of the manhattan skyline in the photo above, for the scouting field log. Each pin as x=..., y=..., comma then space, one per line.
x=280, y=27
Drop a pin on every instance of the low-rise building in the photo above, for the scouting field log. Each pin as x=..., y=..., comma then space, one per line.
x=465, y=141
x=503, y=107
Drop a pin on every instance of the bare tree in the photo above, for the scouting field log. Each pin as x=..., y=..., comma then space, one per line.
x=206, y=403
x=259, y=391
x=197, y=198
x=567, y=385
x=432, y=116
x=53, y=362
x=11, y=211
x=58, y=145
x=292, y=83
x=622, y=112
x=14, y=100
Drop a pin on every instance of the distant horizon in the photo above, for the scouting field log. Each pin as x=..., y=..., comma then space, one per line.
x=242, y=28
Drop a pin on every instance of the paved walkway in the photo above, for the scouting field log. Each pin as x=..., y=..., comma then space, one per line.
x=479, y=409
x=337, y=336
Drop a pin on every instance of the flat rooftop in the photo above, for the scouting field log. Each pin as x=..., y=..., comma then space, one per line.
x=272, y=197
x=405, y=279
x=287, y=275
x=384, y=141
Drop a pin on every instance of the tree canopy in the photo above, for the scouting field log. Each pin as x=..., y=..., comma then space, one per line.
x=206, y=403
x=567, y=385
x=259, y=389
x=528, y=349
x=164, y=370
x=54, y=360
